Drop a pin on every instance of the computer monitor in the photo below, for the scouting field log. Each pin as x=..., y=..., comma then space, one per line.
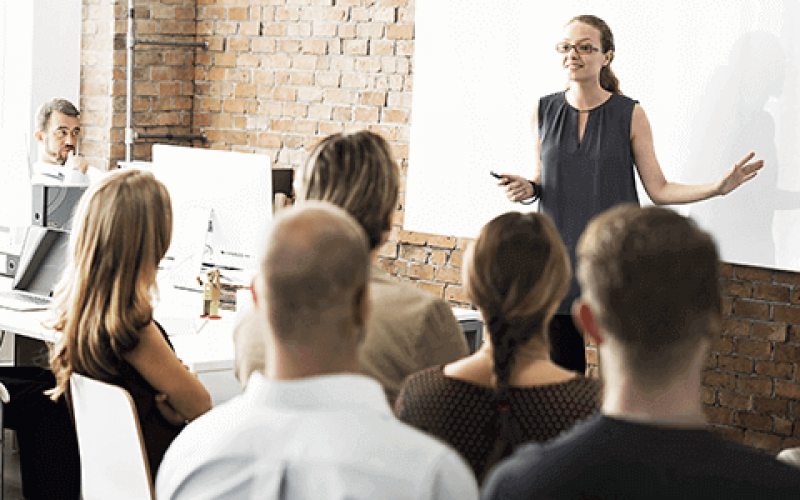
x=234, y=188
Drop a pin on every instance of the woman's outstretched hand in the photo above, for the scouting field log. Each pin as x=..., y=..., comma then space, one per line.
x=517, y=188
x=741, y=172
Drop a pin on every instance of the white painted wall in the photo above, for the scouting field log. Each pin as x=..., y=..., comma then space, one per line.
x=40, y=56
x=717, y=79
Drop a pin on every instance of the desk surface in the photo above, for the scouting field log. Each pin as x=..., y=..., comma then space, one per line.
x=209, y=350
x=209, y=353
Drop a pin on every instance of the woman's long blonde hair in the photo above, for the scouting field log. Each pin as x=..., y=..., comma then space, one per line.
x=121, y=231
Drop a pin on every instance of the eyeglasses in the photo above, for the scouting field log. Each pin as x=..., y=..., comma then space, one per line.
x=60, y=133
x=583, y=49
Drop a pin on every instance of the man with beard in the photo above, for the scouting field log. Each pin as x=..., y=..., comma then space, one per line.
x=58, y=129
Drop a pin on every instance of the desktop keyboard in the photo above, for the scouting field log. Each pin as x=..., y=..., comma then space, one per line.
x=20, y=301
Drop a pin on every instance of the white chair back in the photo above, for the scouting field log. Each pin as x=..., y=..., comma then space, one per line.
x=113, y=459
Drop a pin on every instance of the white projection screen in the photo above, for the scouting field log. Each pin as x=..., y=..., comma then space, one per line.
x=717, y=79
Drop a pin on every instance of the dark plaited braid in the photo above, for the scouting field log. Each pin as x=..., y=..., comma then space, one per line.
x=507, y=337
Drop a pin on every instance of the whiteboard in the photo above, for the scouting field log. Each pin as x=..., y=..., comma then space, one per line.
x=716, y=78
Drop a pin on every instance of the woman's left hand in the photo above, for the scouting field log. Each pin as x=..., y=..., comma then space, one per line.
x=740, y=173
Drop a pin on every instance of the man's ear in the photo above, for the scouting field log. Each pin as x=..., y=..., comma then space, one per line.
x=253, y=291
x=585, y=318
x=39, y=136
x=361, y=306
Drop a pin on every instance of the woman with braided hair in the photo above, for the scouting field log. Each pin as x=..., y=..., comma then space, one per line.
x=509, y=392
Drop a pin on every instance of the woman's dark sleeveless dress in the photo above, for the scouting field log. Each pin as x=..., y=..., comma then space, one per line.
x=580, y=179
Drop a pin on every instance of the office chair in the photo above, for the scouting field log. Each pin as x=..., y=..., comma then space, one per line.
x=113, y=459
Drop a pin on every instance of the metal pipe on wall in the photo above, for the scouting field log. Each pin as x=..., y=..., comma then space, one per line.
x=172, y=137
x=129, y=83
x=130, y=135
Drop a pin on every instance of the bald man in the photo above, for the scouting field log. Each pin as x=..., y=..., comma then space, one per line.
x=311, y=426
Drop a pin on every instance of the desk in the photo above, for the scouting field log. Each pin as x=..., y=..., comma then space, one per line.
x=209, y=353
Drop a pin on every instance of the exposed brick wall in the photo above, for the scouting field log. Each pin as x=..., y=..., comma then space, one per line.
x=750, y=391
x=280, y=74
x=163, y=77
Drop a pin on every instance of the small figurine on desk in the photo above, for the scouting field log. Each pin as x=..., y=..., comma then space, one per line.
x=211, y=292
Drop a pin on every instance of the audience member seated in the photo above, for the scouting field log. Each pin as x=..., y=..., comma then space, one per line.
x=103, y=310
x=509, y=392
x=408, y=329
x=312, y=427
x=48, y=446
x=651, y=301
x=58, y=129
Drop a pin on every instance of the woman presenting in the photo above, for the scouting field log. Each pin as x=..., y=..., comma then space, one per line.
x=588, y=139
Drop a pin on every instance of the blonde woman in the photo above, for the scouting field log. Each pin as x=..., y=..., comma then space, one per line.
x=509, y=392
x=104, y=307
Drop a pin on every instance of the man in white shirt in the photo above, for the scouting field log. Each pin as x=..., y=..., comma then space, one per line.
x=311, y=427
x=58, y=129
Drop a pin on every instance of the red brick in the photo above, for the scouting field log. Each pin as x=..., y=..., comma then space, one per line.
x=436, y=289
x=754, y=273
x=438, y=257
x=455, y=294
x=771, y=293
x=436, y=241
x=719, y=380
x=787, y=314
x=708, y=395
x=788, y=353
x=711, y=361
x=762, y=441
x=413, y=253
x=751, y=309
x=754, y=348
x=762, y=386
x=771, y=406
x=394, y=116
x=457, y=259
x=787, y=278
x=373, y=98
x=775, y=369
x=725, y=270
x=786, y=389
x=790, y=442
x=447, y=275
x=775, y=332
x=783, y=426
x=717, y=415
x=755, y=421
x=732, y=434
x=794, y=334
x=400, y=32
x=796, y=297
x=735, y=364
x=722, y=345
x=736, y=400
x=389, y=249
x=411, y=237
x=735, y=288
x=419, y=271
